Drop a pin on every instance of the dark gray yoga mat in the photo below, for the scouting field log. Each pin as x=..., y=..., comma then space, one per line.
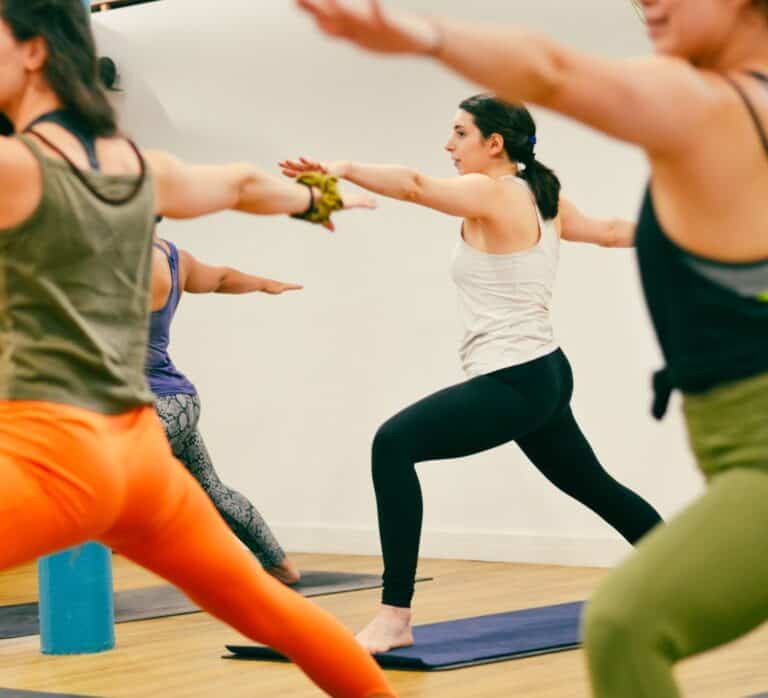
x=18, y=693
x=467, y=642
x=21, y=620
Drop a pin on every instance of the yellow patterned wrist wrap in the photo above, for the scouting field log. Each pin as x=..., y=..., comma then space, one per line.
x=328, y=201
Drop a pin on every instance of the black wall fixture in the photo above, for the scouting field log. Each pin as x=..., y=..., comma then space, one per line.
x=116, y=4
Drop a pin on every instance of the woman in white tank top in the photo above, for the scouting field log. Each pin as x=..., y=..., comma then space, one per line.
x=519, y=382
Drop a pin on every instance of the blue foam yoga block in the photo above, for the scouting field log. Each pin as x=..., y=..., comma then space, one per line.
x=76, y=603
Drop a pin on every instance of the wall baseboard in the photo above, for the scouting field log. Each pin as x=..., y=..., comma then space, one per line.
x=495, y=546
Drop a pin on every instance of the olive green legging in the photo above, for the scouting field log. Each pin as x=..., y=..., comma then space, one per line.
x=701, y=580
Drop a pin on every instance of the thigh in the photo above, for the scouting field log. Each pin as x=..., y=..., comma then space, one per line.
x=702, y=579
x=60, y=485
x=179, y=416
x=157, y=483
x=560, y=451
x=194, y=456
x=467, y=418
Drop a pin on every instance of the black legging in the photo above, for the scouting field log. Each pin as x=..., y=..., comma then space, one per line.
x=529, y=404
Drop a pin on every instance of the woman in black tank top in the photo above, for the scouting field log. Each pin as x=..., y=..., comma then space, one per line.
x=699, y=109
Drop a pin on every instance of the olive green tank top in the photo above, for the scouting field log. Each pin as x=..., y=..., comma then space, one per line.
x=74, y=292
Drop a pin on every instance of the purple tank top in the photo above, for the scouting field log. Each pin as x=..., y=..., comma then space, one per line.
x=164, y=378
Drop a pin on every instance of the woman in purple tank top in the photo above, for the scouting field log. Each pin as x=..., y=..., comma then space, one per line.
x=178, y=405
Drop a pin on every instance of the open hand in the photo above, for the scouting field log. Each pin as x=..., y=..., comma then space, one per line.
x=350, y=200
x=372, y=29
x=294, y=168
x=275, y=288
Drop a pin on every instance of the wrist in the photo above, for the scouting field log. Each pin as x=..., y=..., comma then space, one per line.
x=341, y=169
x=434, y=37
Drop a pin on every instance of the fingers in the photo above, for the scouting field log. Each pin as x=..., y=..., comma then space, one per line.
x=376, y=12
x=275, y=288
x=292, y=168
x=313, y=165
x=312, y=6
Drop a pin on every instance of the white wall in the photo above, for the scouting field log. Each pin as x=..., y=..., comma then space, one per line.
x=294, y=387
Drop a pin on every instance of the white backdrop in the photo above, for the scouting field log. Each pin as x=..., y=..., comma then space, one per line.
x=293, y=387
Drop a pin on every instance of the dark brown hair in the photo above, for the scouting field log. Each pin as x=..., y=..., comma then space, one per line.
x=514, y=123
x=72, y=67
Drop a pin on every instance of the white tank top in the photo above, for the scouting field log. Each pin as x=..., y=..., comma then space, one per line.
x=504, y=302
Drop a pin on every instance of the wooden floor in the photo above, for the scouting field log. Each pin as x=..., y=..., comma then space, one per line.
x=180, y=657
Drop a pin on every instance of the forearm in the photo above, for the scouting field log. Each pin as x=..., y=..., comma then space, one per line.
x=235, y=281
x=393, y=181
x=258, y=192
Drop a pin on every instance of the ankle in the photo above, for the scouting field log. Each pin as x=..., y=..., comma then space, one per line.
x=399, y=613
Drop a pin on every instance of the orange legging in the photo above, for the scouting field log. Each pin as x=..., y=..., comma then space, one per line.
x=70, y=475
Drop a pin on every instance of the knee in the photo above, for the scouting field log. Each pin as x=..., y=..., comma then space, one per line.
x=390, y=451
x=604, y=628
x=617, y=625
x=386, y=440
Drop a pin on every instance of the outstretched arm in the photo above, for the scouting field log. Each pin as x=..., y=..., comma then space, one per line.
x=469, y=196
x=657, y=103
x=189, y=191
x=204, y=278
x=606, y=232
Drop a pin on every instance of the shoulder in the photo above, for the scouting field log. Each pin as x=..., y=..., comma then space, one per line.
x=496, y=188
x=187, y=263
x=15, y=157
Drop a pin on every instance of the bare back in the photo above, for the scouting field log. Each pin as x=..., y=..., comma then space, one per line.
x=712, y=197
x=20, y=177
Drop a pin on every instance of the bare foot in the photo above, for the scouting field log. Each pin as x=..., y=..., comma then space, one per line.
x=390, y=628
x=286, y=572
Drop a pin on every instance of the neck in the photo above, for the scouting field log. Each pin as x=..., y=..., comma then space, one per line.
x=746, y=48
x=501, y=169
x=30, y=105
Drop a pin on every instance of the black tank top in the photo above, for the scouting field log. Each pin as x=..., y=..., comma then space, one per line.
x=711, y=318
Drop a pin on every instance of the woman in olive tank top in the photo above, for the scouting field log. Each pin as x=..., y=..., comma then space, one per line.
x=83, y=455
x=699, y=110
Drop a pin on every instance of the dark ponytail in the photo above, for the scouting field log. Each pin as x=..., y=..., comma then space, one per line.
x=516, y=126
x=72, y=67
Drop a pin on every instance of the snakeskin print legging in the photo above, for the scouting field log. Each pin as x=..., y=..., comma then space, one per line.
x=180, y=415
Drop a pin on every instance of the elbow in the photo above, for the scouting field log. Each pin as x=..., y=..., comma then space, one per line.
x=549, y=74
x=223, y=280
x=247, y=183
x=413, y=188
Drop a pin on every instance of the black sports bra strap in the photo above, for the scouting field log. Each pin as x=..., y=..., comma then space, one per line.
x=752, y=111
x=763, y=77
x=84, y=180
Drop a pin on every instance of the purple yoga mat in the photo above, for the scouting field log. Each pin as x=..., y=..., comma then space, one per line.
x=471, y=641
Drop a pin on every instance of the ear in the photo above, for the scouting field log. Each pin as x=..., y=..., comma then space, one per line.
x=496, y=144
x=36, y=54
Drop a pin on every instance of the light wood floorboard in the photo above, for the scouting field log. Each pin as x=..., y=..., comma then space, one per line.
x=180, y=657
